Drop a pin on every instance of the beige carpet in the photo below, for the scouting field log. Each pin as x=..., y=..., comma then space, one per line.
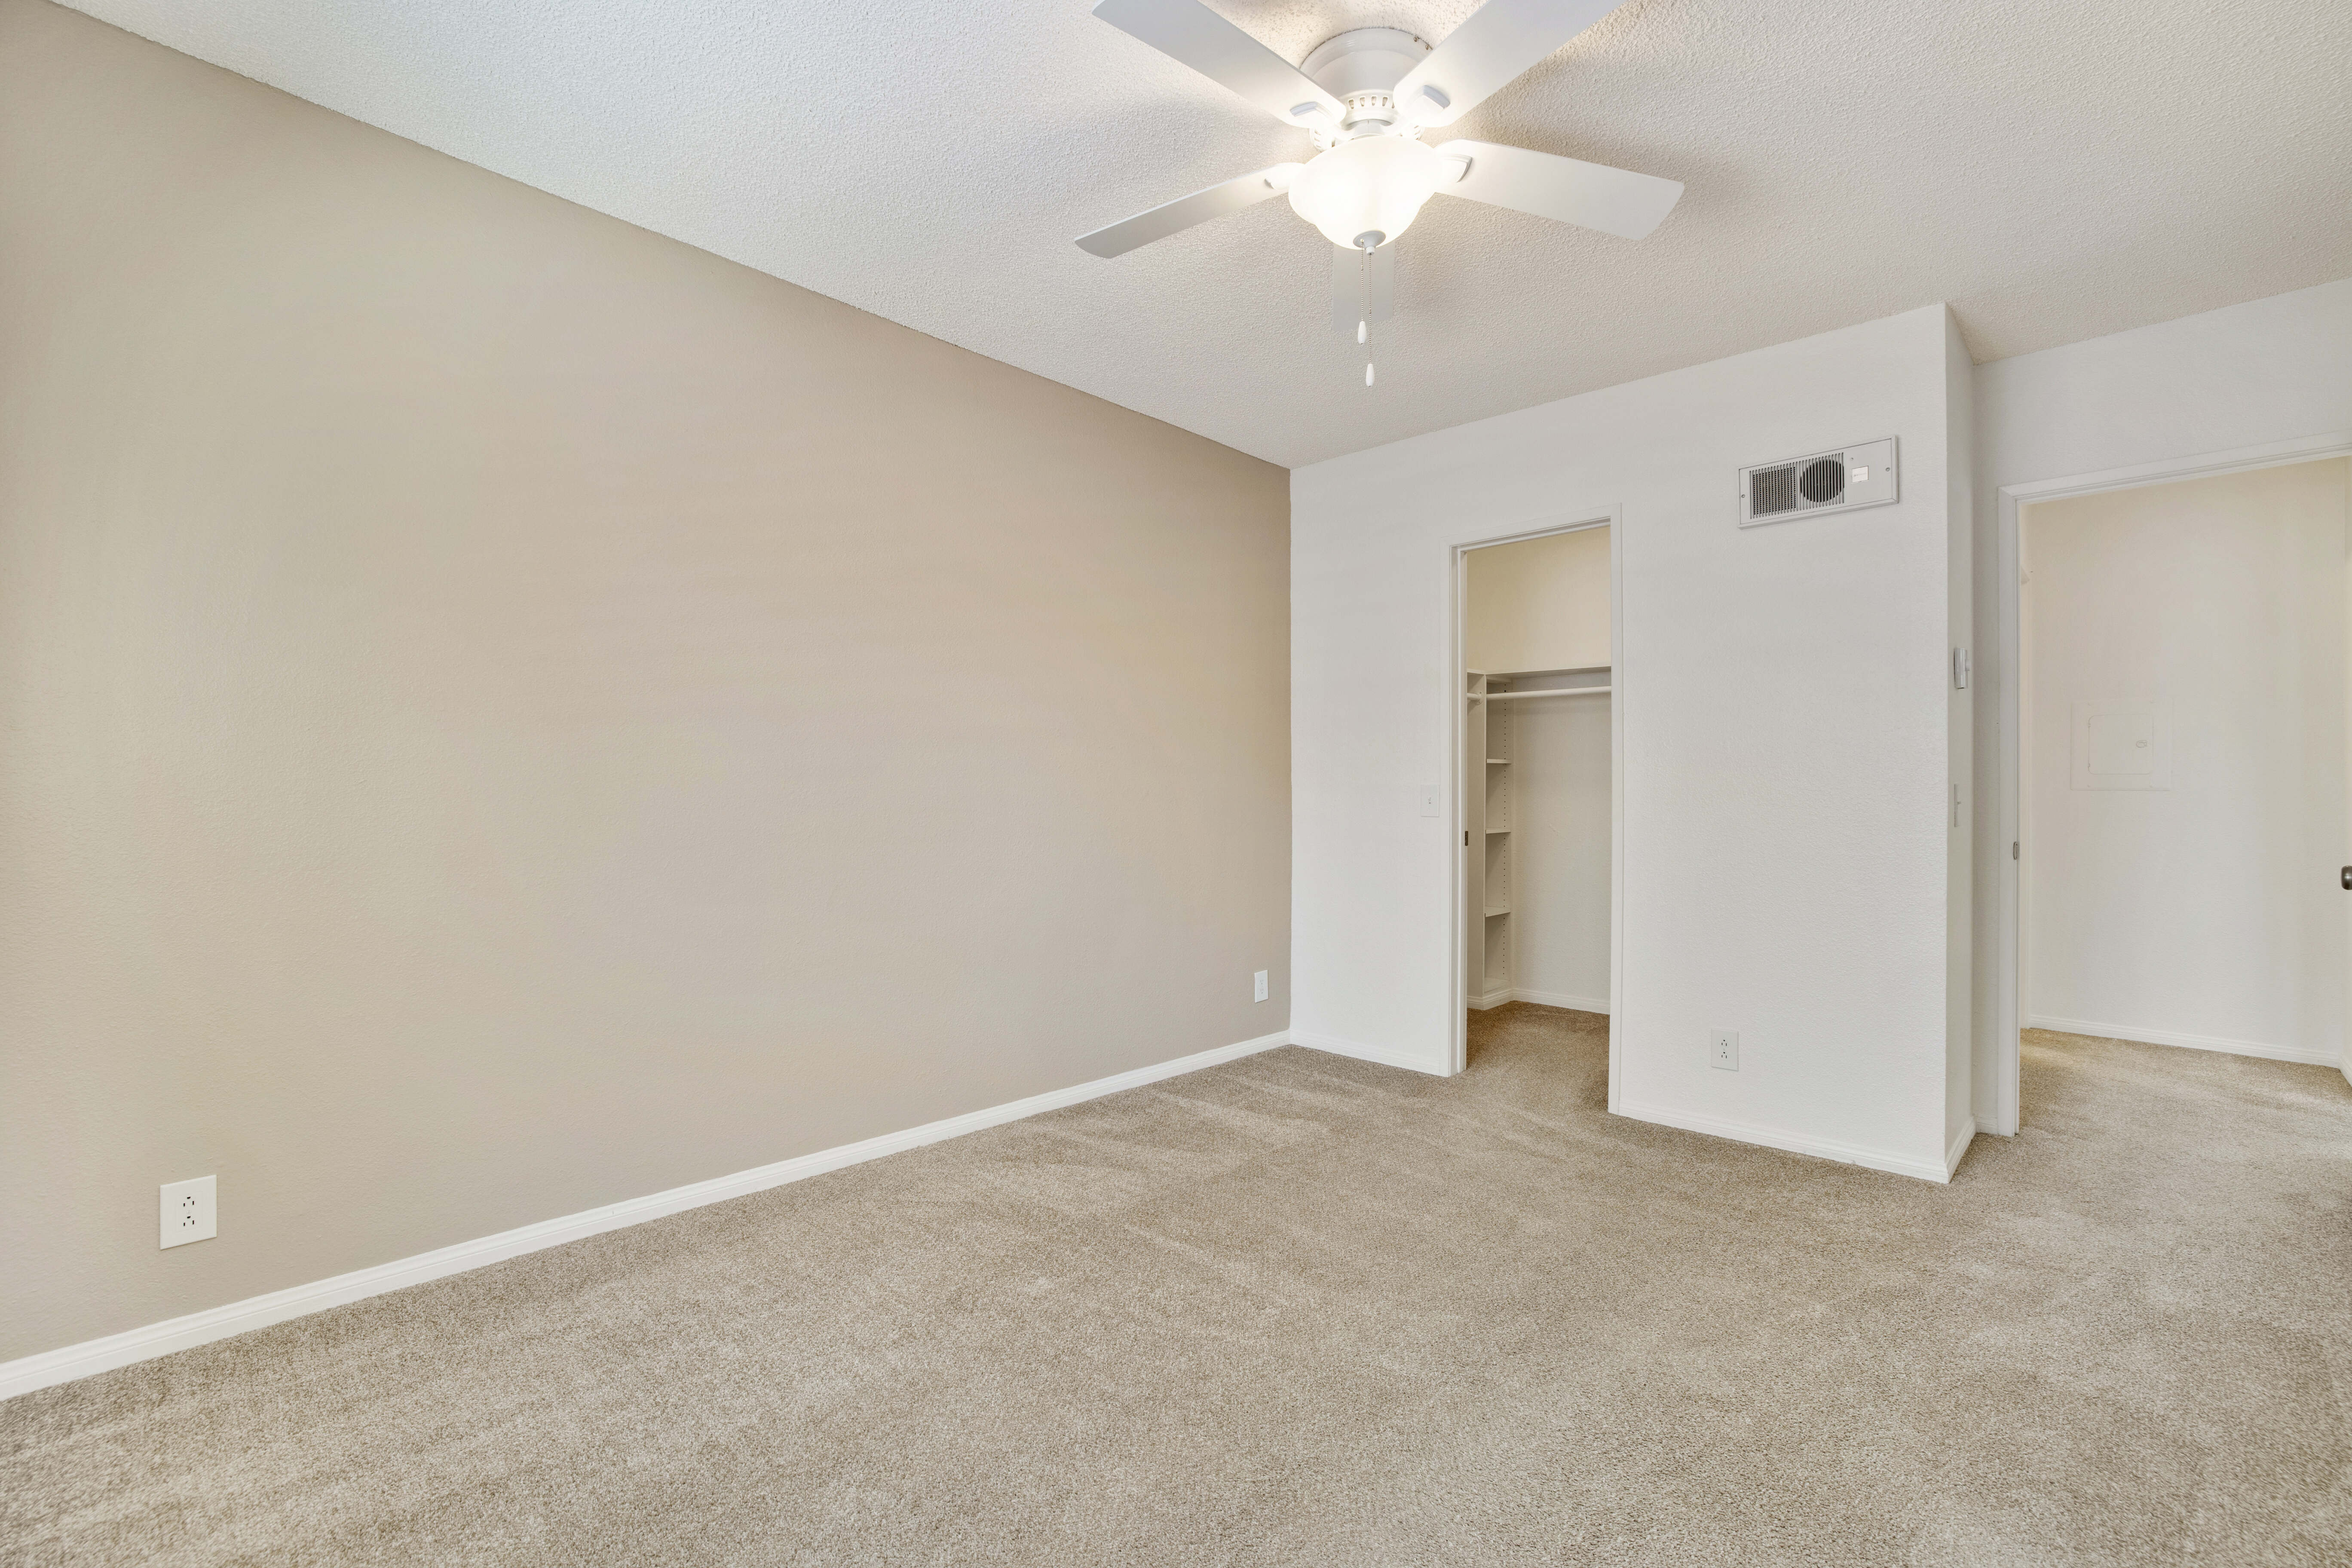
x=1305, y=1311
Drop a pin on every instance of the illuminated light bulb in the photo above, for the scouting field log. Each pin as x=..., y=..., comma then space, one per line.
x=1371, y=188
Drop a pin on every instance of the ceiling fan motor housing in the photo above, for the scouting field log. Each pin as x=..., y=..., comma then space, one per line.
x=1361, y=68
x=1368, y=113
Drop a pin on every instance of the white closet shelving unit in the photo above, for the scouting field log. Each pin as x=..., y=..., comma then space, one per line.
x=1487, y=734
x=1490, y=794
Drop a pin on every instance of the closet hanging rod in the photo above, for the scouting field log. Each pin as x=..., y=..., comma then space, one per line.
x=1551, y=691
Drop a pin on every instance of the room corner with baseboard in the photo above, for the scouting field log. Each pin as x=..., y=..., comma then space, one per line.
x=730, y=831
x=526, y=782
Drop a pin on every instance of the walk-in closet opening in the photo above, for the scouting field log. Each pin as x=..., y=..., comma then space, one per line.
x=2183, y=839
x=1538, y=785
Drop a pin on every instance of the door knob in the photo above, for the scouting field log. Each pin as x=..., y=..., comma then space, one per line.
x=2348, y=878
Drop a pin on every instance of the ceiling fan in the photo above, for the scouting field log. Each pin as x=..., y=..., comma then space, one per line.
x=1366, y=96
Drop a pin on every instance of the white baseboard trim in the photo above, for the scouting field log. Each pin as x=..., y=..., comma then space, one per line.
x=1363, y=1053
x=1928, y=1170
x=2134, y=1033
x=26, y=1373
x=1960, y=1143
x=1492, y=999
x=1562, y=999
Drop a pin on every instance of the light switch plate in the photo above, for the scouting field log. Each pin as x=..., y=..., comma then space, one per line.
x=191, y=1211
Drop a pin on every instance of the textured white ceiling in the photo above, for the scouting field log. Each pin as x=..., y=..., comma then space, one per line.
x=2056, y=169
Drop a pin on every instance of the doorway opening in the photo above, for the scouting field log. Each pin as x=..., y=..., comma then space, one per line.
x=1539, y=735
x=2177, y=767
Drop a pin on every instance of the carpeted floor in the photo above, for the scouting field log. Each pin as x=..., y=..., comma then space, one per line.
x=1305, y=1311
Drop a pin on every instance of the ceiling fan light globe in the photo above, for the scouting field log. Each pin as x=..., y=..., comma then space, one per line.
x=1373, y=185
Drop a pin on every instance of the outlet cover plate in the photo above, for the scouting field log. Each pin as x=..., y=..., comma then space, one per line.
x=191, y=1211
x=1260, y=984
x=1723, y=1049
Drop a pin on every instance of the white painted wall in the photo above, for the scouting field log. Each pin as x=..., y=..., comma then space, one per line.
x=2208, y=909
x=2270, y=370
x=1785, y=750
x=1538, y=603
x=1959, y=739
x=1543, y=604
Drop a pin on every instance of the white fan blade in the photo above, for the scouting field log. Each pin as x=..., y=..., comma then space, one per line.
x=1565, y=190
x=1501, y=39
x=1185, y=211
x=1187, y=31
x=1348, y=267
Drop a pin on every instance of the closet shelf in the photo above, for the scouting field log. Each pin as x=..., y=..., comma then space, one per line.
x=1494, y=830
x=1499, y=761
x=1503, y=910
x=1545, y=691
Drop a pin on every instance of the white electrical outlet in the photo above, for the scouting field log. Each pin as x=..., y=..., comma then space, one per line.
x=1261, y=985
x=1723, y=1049
x=191, y=1211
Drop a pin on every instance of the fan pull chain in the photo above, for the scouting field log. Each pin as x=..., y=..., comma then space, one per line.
x=1364, y=321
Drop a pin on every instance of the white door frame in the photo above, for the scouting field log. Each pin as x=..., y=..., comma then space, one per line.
x=1458, y=659
x=2015, y=820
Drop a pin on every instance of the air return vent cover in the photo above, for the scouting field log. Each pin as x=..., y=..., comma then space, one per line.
x=1841, y=480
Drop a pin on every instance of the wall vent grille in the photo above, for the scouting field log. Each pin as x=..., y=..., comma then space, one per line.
x=1839, y=480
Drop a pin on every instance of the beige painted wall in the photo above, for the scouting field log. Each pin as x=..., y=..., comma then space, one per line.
x=500, y=713
x=1541, y=603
